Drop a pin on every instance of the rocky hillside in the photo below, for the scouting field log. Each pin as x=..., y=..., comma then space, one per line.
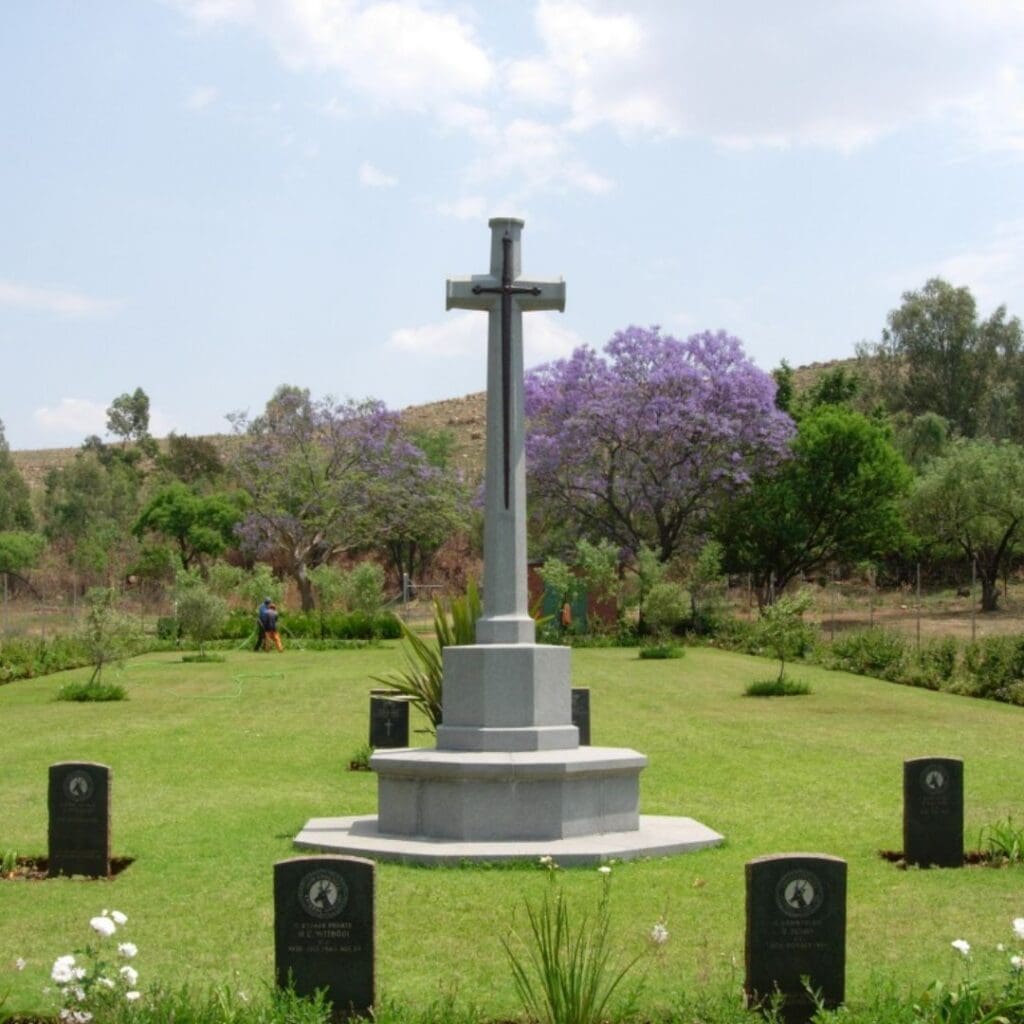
x=465, y=417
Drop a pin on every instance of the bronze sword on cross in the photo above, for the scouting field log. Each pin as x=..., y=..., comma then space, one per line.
x=505, y=297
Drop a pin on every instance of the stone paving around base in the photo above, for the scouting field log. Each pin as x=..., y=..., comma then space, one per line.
x=658, y=836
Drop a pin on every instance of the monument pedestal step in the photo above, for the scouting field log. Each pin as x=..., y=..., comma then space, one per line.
x=656, y=836
x=507, y=795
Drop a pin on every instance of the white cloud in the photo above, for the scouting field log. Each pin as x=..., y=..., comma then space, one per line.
x=201, y=97
x=71, y=419
x=399, y=53
x=74, y=416
x=466, y=208
x=836, y=75
x=57, y=301
x=373, y=177
x=465, y=334
x=537, y=156
x=993, y=269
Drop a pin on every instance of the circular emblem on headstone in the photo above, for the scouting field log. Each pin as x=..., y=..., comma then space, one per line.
x=323, y=894
x=934, y=779
x=799, y=893
x=78, y=785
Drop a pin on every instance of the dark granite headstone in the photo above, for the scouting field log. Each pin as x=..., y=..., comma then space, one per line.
x=79, y=810
x=389, y=722
x=933, y=811
x=581, y=713
x=796, y=928
x=324, y=930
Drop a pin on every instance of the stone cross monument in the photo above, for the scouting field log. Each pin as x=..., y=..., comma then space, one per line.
x=508, y=778
x=504, y=297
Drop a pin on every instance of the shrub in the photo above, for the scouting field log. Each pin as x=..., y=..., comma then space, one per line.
x=777, y=688
x=994, y=667
x=359, y=625
x=665, y=608
x=167, y=628
x=870, y=652
x=93, y=690
x=25, y=658
x=661, y=651
x=201, y=614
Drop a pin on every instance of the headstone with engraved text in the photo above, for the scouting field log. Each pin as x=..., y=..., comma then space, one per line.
x=933, y=811
x=581, y=713
x=324, y=930
x=79, y=813
x=796, y=929
x=389, y=722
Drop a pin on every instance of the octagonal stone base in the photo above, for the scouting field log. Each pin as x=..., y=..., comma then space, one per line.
x=507, y=697
x=530, y=795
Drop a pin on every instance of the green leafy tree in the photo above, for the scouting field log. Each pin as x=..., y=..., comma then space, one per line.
x=364, y=588
x=781, y=628
x=107, y=633
x=838, y=497
x=200, y=613
x=128, y=418
x=15, y=501
x=200, y=525
x=315, y=472
x=193, y=460
x=19, y=550
x=707, y=582
x=89, y=509
x=937, y=356
x=973, y=498
x=226, y=580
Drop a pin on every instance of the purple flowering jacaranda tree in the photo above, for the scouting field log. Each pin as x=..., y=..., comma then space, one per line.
x=643, y=444
x=315, y=471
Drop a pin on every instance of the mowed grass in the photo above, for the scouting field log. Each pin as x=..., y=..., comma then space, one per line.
x=216, y=767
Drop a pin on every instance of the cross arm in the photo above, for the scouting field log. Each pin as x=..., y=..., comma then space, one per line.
x=459, y=292
x=551, y=295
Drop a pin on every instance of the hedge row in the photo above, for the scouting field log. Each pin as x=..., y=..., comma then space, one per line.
x=314, y=626
x=991, y=668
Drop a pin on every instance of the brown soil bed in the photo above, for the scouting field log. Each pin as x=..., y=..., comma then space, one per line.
x=972, y=858
x=35, y=869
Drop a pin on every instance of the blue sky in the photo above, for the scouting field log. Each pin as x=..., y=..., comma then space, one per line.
x=208, y=198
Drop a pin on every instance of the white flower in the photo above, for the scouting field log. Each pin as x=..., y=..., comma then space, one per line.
x=78, y=973
x=81, y=1017
x=127, y=950
x=659, y=934
x=103, y=925
x=604, y=870
x=1018, y=927
x=62, y=969
x=78, y=993
x=962, y=945
x=19, y=964
x=547, y=860
x=1017, y=963
x=118, y=917
x=106, y=982
x=130, y=975
x=1000, y=948
x=132, y=996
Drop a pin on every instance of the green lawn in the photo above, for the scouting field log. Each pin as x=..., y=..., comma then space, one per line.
x=216, y=767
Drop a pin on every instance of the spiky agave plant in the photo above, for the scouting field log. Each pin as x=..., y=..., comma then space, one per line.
x=421, y=679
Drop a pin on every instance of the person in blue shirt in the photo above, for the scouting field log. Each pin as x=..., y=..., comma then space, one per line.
x=262, y=617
